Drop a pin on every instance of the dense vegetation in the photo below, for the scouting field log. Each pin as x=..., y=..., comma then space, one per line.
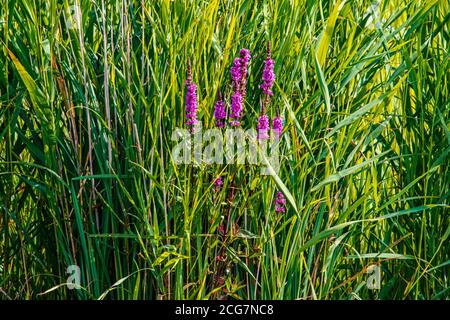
x=87, y=112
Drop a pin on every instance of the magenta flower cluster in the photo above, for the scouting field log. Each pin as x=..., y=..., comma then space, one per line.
x=244, y=60
x=191, y=100
x=191, y=105
x=238, y=74
x=280, y=202
x=268, y=75
x=277, y=126
x=218, y=183
x=219, y=112
x=236, y=109
x=268, y=78
x=238, y=71
x=235, y=72
x=263, y=127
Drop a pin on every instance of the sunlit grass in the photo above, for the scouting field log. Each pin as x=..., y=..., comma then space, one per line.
x=87, y=177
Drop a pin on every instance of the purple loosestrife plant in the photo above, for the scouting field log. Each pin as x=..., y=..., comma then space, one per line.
x=191, y=100
x=245, y=58
x=236, y=74
x=219, y=112
x=280, y=202
x=268, y=73
x=263, y=127
x=268, y=78
x=218, y=183
x=277, y=125
x=236, y=109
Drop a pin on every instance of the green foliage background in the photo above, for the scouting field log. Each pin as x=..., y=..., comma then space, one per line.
x=87, y=178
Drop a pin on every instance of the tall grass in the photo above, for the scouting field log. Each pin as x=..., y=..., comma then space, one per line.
x=87, y=176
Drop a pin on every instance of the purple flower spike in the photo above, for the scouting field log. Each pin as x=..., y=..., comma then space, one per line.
x=191, y=105
x=263, y=127
x=219, y=112
x=191, y=100
x=245, y=58
x=236, y=73
x=277, y=125
x=236, y=109
x=268, y=73
x=218, y=183
x=280, y=202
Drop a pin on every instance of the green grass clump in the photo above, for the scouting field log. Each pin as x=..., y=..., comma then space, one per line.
x=87, y=177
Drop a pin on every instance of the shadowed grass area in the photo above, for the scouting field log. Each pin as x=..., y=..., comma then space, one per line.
x=87, y=176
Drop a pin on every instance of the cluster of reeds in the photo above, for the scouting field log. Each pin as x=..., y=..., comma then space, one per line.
x=92, y=91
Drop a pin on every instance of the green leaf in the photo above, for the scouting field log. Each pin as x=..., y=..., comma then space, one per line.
x=323, y=84
x=327, y=33
x=358, y=114
x=380, y=256
x=352, y=170
x=37, y=98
